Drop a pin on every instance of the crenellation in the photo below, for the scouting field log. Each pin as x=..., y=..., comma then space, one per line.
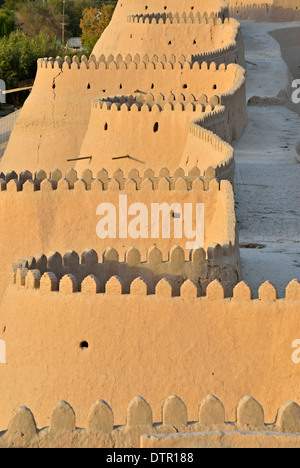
x=242, y=292
x=68, y=284
x=48, y=282
x=23, y=430
x=145, y=123
x=288, y=418
x=172, y=277
x=249, y=413
x=201, y=269
x=20, y=276
x=267, y=292
x=139, y=413
x=174, y=412
x=211, y=412
x=22, y=427
x=63, y=418
x=126, y=62
x=32, y=280
x=114, y=286
x=178, y=179
x=177, y=18
x=292, y=292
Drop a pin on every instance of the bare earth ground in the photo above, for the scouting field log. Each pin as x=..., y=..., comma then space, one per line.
x=267, y=175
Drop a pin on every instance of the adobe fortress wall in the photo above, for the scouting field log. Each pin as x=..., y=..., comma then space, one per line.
x=113, y=345
x=131, y=7
x=197, y=133
x=273, y=10
x=50, y=131
x=61, y=213
x=58, y=108
x=174, y=429
x=202, y=37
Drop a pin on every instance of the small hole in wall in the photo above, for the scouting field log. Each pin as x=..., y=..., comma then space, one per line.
x=121, y=86
x=83, y=345
x=53, y=86
x=184, y=86
x=155, y=127
x=152, y=86
x=88, y=86
x=105, y=126
x=170, y=42
x=214, y=86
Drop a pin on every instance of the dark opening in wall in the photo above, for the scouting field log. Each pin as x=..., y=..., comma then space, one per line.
x=214, y=86
x=88, y=86
x=105, y=126
x=152, y=86
x=155, y=127
x=83, y=345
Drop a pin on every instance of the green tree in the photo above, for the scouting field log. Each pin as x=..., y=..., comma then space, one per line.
x=94, y=22
x=19, y=54
x=33, y=18
x=7, y=24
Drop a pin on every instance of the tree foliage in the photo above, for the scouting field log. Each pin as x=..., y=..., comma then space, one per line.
x=7, y=23
x=19, y=54
x=30, y=29
x=33, y=18
x=94, y=22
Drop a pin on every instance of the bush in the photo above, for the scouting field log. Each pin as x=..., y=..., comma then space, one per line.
x=93, y=23
x=19, y=54
x=7, y=24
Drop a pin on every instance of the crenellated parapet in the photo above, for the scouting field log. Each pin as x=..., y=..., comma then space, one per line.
x=179, y=18
x=136, y=62
x=72, y=272
x=128, y=76
x=148, y=179
x=181, y=195
x=159, y=102
x=195, y=343
x=274, y=10
x=142, y=431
